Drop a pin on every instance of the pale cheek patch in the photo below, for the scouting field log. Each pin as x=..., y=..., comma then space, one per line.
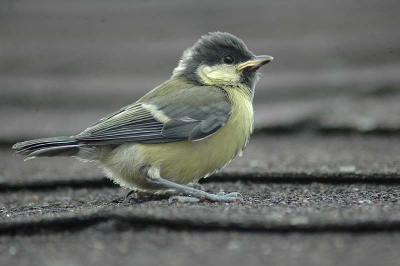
x=214, y=75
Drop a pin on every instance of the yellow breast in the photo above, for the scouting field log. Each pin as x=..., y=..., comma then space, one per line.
x=186, y=161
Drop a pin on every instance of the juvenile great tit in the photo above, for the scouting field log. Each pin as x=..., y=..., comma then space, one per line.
x=185, y=129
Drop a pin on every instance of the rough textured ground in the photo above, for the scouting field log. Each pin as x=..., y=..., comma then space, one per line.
x=278, y=223
x=320, y=178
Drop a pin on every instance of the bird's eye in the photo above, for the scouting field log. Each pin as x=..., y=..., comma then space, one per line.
x=228, y=59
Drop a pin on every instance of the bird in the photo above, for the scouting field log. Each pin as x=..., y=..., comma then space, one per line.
x=185, y=129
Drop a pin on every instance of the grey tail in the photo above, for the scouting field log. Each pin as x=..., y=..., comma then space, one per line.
x=48, y=147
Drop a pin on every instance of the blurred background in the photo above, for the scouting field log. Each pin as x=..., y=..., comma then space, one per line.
x=66, y=64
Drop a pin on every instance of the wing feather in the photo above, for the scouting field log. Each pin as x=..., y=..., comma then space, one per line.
x=190, y=114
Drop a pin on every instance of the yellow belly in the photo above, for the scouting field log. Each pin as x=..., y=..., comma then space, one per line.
x=185, y=161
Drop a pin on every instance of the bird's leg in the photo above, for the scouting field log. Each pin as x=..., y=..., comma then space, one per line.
x=196, y=186
x=152, y=175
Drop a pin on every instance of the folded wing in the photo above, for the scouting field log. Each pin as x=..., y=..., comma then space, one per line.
x=190, y=114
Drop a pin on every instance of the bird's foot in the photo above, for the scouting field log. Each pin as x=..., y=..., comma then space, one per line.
x=152, y=175
x=220, y=197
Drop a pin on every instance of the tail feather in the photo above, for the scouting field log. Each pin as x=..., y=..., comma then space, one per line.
x=48, y=147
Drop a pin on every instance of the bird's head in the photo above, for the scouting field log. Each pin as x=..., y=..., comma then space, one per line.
x=221, y=59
